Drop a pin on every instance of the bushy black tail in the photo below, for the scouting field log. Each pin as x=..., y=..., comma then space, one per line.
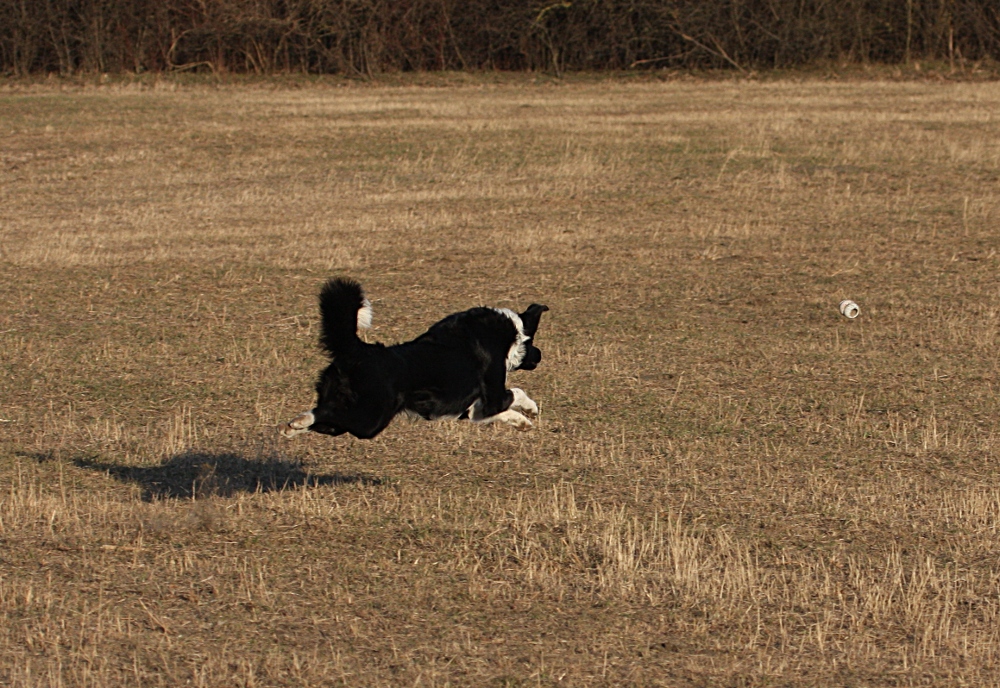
x=344, y=308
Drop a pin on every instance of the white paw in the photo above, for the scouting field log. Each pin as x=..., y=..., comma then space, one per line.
x=523, y=403
x=516, y=419
x=297, y=425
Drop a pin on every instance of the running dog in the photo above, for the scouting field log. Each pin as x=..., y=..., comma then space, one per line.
x=457, y=369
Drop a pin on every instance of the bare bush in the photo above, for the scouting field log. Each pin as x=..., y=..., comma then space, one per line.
x=369, y=36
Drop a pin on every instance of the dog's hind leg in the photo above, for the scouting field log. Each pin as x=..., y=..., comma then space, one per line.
x=298, y=425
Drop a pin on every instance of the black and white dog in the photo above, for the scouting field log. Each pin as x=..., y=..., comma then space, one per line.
x=457, y=369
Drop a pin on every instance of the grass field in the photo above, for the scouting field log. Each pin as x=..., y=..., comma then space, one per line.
x=729, y=484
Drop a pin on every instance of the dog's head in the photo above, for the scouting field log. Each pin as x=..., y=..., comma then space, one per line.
x=529, y=323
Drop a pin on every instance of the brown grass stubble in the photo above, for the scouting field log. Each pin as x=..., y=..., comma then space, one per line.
x=728, y=483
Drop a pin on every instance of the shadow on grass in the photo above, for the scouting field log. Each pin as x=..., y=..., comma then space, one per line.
x=204, y=474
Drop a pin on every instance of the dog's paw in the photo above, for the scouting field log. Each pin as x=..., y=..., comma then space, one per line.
x=297, y=425
x=523, y=403
x=514, y=418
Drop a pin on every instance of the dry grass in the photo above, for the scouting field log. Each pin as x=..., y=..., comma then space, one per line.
x=730, y=484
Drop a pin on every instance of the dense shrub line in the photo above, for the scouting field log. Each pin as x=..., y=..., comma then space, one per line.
x=368, y=36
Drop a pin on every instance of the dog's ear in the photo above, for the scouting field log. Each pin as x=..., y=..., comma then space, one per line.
x=531, y=317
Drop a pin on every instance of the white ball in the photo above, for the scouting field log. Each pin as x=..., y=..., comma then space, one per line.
x=849, y=309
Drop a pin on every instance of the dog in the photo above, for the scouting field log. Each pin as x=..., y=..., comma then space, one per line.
x=457, y=369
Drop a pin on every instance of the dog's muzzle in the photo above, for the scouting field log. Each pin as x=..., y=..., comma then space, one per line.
x=531, y=359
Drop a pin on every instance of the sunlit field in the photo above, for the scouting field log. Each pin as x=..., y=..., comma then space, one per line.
x=729, y=482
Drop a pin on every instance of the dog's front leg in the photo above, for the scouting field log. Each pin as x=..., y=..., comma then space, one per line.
x=497, y=402
x=522, y=402
x=510, y=416
x=298, y=425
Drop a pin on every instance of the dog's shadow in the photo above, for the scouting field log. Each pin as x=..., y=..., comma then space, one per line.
x=204, y=474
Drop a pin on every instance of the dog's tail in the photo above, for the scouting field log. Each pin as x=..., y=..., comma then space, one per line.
x=344, y=308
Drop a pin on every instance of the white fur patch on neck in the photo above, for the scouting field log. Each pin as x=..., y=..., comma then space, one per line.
x=365, y=315
x=517, y=350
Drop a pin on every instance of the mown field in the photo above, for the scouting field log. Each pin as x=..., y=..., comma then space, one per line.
x=729, y=483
